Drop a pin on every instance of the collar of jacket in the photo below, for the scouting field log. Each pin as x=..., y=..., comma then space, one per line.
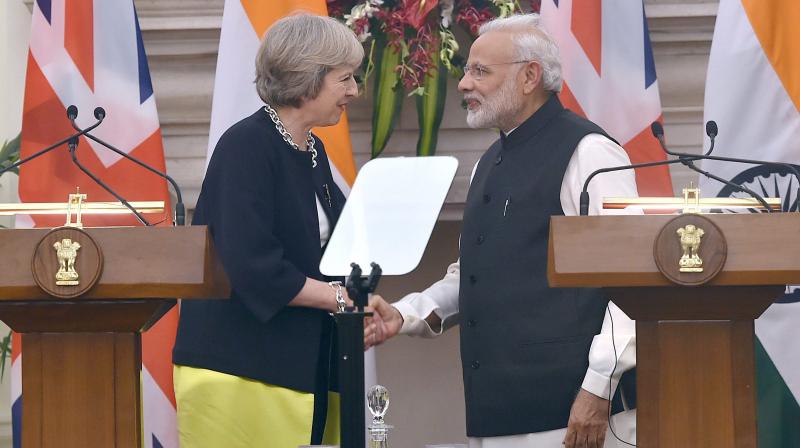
x=533, y=124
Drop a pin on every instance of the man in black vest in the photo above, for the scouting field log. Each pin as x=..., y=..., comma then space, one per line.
x=538, y=362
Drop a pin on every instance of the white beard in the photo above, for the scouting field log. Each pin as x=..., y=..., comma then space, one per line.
x=499, y=109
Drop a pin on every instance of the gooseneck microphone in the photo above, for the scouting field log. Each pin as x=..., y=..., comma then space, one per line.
x=658, y=132
x=100, y=114
x=688, y=160
x=72, y=114
x=584, y=198
x=54, y=145
x=711, y=131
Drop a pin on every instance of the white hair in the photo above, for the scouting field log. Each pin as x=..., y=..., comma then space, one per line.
x=531, y=43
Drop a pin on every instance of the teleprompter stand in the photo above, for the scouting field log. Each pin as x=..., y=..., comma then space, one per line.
x=350, y=330
x=388, y=217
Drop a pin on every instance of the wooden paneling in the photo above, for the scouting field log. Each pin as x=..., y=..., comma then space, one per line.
x=755, y=255
x=140, y=262
x=81, y=389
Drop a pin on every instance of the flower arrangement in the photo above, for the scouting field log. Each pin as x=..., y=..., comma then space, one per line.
x=412, y=49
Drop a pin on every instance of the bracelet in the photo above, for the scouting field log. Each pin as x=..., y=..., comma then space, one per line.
x=340, y=303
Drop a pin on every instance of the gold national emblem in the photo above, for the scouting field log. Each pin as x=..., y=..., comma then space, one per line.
x=690, y=236
x=67, y=252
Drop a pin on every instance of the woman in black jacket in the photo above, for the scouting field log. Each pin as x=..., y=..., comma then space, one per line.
x=256, y=370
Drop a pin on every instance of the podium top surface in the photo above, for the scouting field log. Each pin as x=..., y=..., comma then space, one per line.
x=617, y=251
x=138, y=263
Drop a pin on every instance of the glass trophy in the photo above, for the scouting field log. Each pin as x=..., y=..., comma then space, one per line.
x=378, y=403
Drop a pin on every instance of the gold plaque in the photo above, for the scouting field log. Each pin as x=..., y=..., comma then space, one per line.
x=66, y=252
x=679, y=254
x=67, y=262
x=690, y=260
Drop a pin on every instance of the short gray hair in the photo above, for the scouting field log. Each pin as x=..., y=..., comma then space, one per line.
x=297, y=52
x=531, y=43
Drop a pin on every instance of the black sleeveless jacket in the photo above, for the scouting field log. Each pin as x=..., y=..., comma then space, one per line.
x=524, y=345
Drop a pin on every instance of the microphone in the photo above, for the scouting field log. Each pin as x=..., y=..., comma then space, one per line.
x=711, y=132
x=180, y=209
x=54, y=145
x=658, y=133
x=711, y=129
x=72, y=114
x=584, y=198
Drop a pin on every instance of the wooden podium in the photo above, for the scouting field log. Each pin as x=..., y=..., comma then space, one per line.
x=694, y=344
x=82, y=356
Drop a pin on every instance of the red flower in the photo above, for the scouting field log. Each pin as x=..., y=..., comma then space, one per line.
x=417, y=10
x=472, y=18
x=421, y=57
x=335, y=8
x=393, y=24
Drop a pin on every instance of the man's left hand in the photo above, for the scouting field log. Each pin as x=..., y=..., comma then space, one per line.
x=588, y=421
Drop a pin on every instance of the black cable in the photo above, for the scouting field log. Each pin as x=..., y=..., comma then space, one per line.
x=689, y=164
x=73, y=146
x=611, y=378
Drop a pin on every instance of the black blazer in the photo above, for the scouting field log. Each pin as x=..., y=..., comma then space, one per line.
x=258, y=201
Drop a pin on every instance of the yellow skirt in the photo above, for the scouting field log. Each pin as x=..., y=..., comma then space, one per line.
x=220, y=410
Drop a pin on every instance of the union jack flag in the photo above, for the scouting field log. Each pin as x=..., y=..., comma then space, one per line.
x=610, y=76
x=90, y=53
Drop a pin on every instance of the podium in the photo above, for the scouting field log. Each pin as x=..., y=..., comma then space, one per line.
x=82, y=356
x=694, y=334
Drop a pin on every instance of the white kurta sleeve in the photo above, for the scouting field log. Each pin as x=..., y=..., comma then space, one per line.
x=440, y=298
x=606, y=355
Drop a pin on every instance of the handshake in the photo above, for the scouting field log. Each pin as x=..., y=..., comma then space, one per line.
x=384, y=323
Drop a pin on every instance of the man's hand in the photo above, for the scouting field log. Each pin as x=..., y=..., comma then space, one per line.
x=384, y=324
x=588, y=421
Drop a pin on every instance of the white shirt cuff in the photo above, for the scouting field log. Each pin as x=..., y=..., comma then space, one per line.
x=415, y=308
x=598, y=384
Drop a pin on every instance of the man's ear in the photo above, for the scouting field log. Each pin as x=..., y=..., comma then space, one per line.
x=532, y=77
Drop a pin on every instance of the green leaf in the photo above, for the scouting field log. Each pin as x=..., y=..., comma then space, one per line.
x=5, y=353
x=388, y=97
x=9, y=153
x=430, y=109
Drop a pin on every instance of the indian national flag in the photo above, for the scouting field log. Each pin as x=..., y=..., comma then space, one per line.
x=753, y=93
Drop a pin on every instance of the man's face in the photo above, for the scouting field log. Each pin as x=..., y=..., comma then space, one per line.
x=496, y=98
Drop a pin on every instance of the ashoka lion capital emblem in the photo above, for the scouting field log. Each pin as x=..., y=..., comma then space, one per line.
x=690, y=236
x=67, y=252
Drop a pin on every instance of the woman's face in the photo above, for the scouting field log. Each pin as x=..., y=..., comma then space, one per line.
x=338, y=88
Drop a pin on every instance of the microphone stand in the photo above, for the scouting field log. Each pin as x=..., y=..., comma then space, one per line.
x=73, y=146
x=350, y=336
x=711, y=128
x=690, y=164
x=658, y=133
x=180, y=210
x=49, y=148
x=687, y=160
x=584, y=198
